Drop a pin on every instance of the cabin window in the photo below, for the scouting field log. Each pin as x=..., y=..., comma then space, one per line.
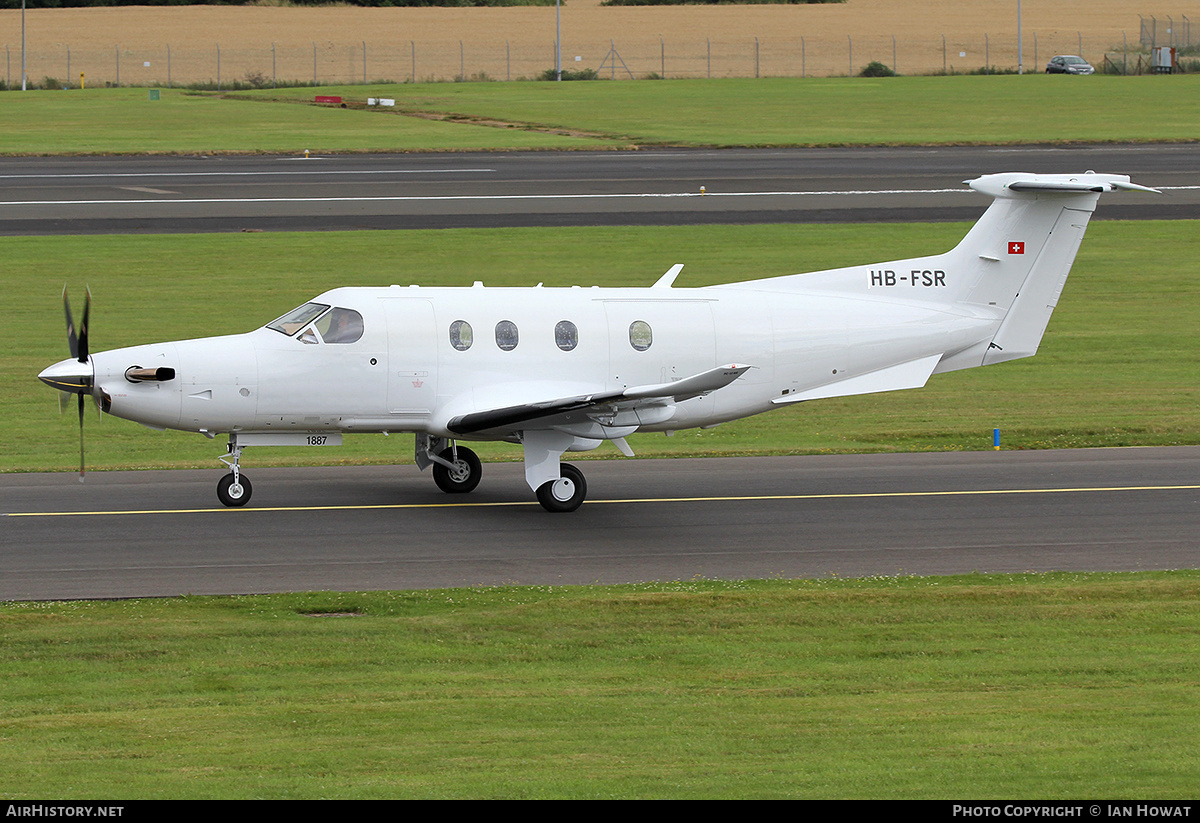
x=506, y=335
x=461, y=336
x=341, y=326
x=298, y=318
x=640, y=336
x=566, y=335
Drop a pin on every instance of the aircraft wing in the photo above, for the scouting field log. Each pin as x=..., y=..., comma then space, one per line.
x=515, y=417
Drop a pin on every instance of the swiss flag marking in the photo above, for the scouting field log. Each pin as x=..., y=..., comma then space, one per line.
x=1016, y=247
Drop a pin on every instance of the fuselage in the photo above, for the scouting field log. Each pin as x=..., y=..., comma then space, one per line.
x=426, y=355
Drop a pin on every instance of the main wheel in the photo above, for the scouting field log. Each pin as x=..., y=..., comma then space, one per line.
x=234, y=494
x=464, y=477
x=565, y=494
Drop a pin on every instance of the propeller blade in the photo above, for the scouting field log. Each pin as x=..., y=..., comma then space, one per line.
x=81, y=437
x=72, y=340
x=83, y=328
x=78, y=345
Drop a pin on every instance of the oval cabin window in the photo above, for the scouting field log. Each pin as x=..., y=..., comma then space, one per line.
x=506, y=335
x=461, y=336
x=640, y=336
x=566, y=335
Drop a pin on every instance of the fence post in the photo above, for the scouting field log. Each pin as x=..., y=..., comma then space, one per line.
x=755, y=58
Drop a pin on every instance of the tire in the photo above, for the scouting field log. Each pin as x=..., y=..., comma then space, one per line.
x=565, y=494
x=465, y=475
x=231, y=495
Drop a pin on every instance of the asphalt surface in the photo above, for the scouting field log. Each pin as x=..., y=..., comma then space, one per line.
x=648, y=187
x=126, y=534
x=129, y=534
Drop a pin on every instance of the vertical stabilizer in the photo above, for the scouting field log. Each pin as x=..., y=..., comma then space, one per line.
x=1023, y=247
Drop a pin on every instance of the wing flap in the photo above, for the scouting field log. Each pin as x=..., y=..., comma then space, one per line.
x=512, y=417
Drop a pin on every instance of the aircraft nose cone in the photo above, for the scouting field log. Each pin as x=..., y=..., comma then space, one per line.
x=69, y=375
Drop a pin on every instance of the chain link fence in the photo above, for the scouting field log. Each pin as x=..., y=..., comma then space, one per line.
x=323, y=62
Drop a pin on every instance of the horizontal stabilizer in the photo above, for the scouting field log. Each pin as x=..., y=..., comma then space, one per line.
x=911, y=375
x=1006, y=184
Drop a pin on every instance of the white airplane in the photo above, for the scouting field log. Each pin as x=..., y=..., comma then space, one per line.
x=558, y=370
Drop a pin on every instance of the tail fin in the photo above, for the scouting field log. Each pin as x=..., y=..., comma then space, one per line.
x=1017, y=257
x=1010, y=267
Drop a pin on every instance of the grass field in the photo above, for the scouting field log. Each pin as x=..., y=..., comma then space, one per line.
x=1088, y=386
x=1051, y=687
x=772, y=112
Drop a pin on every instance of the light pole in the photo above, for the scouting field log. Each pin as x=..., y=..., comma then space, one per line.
x=22, y=45
x=557, y=40
x=1020, y=50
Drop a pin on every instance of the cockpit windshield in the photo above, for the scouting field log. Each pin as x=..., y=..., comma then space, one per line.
x=335, y=325
x=297, y=319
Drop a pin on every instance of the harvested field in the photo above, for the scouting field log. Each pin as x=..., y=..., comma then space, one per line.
x=198, y=44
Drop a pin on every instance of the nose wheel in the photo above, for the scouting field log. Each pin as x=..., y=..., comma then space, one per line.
x=234, y=490
x=566, y=494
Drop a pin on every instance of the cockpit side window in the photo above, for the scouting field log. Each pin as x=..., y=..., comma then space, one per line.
x=298, y=318
x=341, y=326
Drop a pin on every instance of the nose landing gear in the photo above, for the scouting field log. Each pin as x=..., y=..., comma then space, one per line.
x=233, y=489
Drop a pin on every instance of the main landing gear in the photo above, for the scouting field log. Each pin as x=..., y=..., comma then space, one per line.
x=560, y=487
x=565, y=494
x=457, y=470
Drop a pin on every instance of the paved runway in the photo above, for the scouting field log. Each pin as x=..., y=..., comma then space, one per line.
x=161, y=533
x=648, y=187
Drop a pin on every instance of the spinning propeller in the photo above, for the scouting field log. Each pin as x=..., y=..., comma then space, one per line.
x=76, y=375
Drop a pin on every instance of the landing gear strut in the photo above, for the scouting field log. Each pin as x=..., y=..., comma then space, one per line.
x=233, y=489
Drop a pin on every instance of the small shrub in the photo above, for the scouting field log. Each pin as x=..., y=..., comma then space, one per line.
x=582, y=74
x=877, y=69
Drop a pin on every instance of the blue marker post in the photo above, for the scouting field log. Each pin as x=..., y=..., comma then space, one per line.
x=996, y=439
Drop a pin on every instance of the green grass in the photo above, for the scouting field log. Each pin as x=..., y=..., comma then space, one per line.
x=126, y=121
x=540, y=115
x=1117, y=367
x=1043, y=686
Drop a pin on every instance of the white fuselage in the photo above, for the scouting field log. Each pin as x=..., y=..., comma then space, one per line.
x=408, y=372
